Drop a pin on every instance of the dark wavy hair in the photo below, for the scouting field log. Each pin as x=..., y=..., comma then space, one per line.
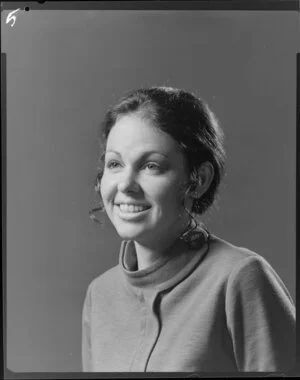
x=188, y=120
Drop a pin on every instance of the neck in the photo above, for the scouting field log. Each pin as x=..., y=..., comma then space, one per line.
x=148, y=254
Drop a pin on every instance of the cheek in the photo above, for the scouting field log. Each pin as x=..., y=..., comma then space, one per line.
x=172, y=202
x=168, y=195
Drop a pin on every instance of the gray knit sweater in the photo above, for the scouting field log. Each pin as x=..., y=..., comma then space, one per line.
x=218, y=308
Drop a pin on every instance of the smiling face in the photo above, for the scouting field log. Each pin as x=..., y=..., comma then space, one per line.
x=142, y=182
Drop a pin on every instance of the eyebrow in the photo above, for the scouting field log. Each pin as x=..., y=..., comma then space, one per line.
x=143, y=155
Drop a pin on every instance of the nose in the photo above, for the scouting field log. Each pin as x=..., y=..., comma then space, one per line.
x=128, y=183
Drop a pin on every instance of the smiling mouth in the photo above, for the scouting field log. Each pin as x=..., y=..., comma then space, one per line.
x=132, y=209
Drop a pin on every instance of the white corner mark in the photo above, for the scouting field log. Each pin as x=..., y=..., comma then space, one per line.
x=12, y=16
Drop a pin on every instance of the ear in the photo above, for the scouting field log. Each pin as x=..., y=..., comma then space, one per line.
x=206, y=175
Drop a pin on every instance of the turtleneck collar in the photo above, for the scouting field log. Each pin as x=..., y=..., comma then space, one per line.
x=167, y=270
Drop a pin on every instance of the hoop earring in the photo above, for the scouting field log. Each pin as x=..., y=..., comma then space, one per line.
x=93, y=216
x=194, y=235
x=192, y=226
x=95, y=209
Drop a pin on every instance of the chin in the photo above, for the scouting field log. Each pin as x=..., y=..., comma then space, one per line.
x=130, y=233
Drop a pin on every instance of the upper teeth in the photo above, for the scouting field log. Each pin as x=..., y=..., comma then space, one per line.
x=131, y=208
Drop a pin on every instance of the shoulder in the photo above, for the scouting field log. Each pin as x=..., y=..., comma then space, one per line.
x=229, y=257
x=104, y=283
x=241, y=267
x=259, y=311
x=246, y=273
x=238, y=260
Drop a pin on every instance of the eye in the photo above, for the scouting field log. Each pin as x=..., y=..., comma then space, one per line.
x=152, y=166
x=113, y=164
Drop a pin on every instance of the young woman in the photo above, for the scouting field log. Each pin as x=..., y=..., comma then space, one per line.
x=180, y=299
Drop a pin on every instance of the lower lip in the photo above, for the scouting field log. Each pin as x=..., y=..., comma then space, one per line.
x=131, y=215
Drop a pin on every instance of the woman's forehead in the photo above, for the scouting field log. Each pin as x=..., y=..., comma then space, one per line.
x=134, y=132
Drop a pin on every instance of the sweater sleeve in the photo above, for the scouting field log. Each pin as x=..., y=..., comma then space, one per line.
x=86, y=333
x=260, y=318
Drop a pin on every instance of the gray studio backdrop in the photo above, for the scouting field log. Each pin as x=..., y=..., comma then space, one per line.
x=64, y=68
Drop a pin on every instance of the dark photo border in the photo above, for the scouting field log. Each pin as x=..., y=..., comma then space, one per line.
x=272, y=5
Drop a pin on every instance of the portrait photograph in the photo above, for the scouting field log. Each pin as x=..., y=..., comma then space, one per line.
x=149, y=188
